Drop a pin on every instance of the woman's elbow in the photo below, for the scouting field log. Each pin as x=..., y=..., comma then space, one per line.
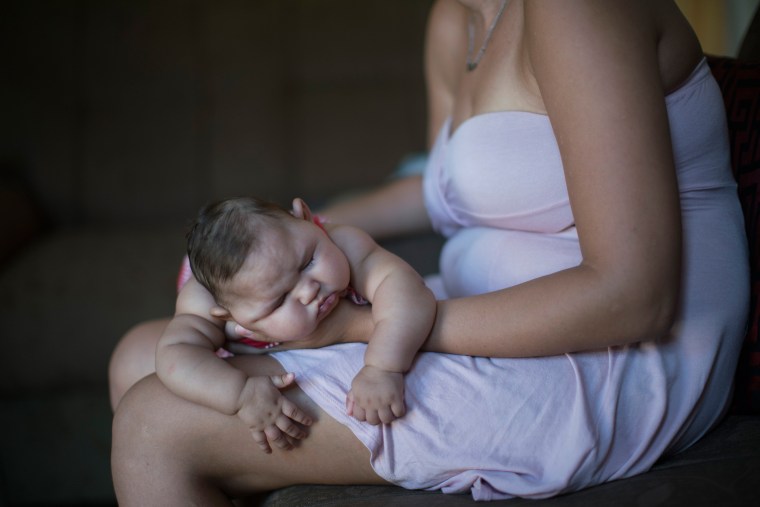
x=663, y=317
x=654, y=313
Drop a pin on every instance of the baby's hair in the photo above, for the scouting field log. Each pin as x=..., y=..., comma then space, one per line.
x=223, y=235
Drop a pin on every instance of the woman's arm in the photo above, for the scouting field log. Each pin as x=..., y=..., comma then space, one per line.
x=595, y=63
x=394, y=209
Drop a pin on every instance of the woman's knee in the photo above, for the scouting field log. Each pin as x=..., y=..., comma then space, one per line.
x=146, y=445
x=134, y=415
x=133, y=358
x=162, y=443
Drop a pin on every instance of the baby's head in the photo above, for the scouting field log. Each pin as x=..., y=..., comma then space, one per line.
x=274, y=272
x=223, y=235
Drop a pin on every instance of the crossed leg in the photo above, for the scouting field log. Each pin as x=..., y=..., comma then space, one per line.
x=167, y=451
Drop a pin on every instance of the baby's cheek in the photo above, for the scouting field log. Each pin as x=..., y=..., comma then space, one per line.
x=300, y=331
x=282, y=330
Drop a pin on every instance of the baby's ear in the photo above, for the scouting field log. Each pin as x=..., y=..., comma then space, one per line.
x=219, y=313
x=301, y=209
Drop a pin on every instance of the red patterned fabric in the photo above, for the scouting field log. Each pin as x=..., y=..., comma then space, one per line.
x=740, y=84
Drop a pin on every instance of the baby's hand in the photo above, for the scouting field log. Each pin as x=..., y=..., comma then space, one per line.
x=376, y=396
x=272, y=418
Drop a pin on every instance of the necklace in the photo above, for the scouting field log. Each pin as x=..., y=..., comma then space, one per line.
x=472, y=63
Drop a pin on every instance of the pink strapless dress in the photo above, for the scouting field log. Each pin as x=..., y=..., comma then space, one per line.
x=499, y=428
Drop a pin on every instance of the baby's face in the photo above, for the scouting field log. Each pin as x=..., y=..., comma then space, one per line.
x=288, y=284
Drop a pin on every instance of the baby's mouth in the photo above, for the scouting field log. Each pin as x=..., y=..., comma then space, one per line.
x=328, y=304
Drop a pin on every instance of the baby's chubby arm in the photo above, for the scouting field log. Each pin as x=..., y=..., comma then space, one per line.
x=403, y=312
x=186, y=362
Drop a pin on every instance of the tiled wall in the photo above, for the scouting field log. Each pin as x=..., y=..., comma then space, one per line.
x=137, y=111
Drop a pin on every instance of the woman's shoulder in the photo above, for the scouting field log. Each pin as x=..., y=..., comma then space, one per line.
x=601, y=30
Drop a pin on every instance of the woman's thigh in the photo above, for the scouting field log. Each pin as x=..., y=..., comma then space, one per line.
x=165, y=447
x=134, y=357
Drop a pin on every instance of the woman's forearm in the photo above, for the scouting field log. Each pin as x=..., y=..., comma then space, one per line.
x=572, y=310
x=569, y=311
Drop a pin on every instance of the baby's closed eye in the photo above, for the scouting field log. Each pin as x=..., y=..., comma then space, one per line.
x=308, y=264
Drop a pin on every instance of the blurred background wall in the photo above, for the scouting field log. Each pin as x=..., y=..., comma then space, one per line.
x=118, y=120
x=720, y=24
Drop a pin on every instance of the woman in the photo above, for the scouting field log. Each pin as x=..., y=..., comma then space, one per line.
x=579, y=167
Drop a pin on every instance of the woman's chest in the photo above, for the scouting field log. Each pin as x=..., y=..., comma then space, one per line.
x=504, y=170
x=503, y=79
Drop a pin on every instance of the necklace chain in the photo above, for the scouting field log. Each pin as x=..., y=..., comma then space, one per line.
x=472, y=63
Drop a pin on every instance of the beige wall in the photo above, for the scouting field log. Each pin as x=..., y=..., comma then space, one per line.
x=720, y=24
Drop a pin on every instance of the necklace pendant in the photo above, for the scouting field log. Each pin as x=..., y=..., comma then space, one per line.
x=472, y=62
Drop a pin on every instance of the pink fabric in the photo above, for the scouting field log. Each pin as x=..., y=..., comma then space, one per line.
x=538, y=427
x=185, y=273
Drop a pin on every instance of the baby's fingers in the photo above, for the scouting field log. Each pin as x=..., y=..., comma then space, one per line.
x=278, y=438
x=283, y=380
x=292, y=411
x=290, y=429
x=372, y=416
x=261, y=440
x=357, y=411
x=387, y=414
x=398, y=408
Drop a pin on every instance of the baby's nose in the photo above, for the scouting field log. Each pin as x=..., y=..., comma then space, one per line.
x=309, y=290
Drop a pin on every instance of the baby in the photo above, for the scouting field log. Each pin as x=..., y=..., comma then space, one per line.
x=278, y=275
